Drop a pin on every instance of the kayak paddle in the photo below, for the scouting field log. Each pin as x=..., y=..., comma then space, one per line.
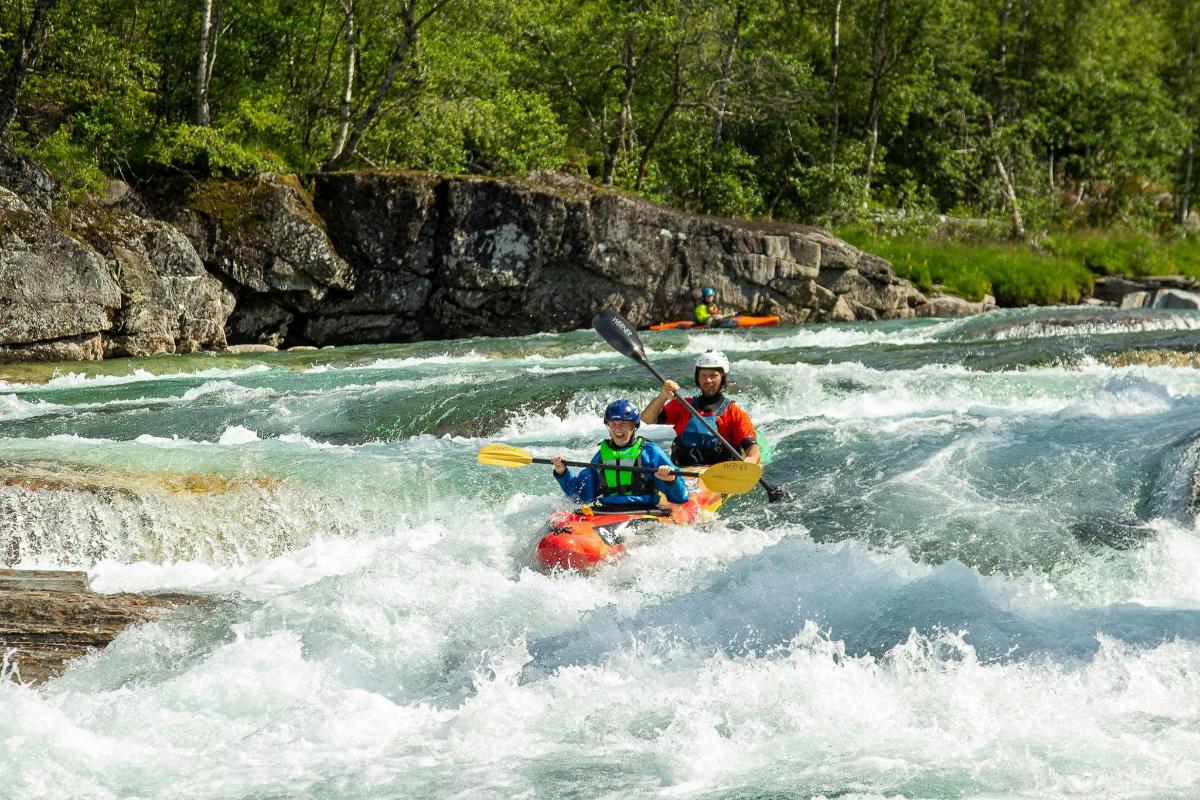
x=620, y=334
x=728, y=477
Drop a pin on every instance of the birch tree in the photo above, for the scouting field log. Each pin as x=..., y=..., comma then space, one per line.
x=29, y=32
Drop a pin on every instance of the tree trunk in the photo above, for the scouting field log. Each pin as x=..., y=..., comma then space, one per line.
x=1010, y=194
x=677, y=87
x=835, y=42
x=347, y=106
x=999, y=89
x=1189, y=153
x=875, y=103
x=1185, y=189
x=630, y=66
x=203, y=68
x=25, y=54
x=727, y=72
x=407, y=41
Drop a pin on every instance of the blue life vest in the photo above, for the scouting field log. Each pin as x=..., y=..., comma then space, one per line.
x=696, y=445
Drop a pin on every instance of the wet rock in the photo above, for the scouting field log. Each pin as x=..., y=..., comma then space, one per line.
x=47, y=619
x=1115, y=288
x=1135, y=300
x=243, y=349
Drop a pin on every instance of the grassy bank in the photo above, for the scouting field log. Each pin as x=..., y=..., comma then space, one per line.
x=1061, y=269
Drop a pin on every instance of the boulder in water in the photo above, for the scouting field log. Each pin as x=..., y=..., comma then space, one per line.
x=48, y=618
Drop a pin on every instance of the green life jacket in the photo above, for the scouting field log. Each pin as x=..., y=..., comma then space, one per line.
x=620, y=482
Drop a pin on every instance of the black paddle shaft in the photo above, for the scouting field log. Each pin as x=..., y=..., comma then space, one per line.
x=617, y=331
x=617, y=467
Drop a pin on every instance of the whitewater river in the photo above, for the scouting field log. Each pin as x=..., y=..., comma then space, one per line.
x=988, y=585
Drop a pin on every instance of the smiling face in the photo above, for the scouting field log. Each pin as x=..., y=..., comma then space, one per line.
x=709, y=381
x=620, y=431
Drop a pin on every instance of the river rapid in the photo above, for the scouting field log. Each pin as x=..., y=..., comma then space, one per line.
x=988, y=585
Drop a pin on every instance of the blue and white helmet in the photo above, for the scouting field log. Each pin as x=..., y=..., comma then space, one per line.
x=707, y=291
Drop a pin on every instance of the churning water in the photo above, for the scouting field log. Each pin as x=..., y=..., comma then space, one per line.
x=988, y=585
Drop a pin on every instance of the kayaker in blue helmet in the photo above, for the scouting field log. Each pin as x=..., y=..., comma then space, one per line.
x=614, y=488
x=707, y=312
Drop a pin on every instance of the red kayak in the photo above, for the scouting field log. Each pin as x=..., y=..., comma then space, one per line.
x=740, y=321
x=586, y=538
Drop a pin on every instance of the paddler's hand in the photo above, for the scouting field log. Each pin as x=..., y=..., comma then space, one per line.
x=560, y=466
x=665, y=474
x=669, y=389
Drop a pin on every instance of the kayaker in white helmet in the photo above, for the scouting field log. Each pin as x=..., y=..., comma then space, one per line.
x=694, y=444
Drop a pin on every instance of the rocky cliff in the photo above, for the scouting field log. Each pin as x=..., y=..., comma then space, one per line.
x=371, y=257
x=438, y=257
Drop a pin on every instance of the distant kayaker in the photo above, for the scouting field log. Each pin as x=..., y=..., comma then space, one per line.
x=694, y=444
x=614, y=488
x=707, y=311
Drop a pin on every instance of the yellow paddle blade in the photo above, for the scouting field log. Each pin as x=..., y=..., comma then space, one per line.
x=731, y=477
x=504, y=455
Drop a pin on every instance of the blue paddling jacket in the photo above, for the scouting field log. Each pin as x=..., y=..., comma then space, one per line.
x=615, y=488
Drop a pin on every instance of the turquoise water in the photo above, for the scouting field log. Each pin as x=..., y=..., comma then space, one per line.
x=988, y=586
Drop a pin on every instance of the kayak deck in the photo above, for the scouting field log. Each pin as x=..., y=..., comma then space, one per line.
x=587, y=537
x=739, y=321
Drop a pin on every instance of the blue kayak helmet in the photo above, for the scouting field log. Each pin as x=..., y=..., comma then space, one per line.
x=623, y=410
x=708, y=291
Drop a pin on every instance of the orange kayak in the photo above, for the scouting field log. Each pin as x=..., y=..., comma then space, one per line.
x=740, y=321
x=586, y=538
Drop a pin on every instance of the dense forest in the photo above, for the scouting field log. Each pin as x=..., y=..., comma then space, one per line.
x=1035, y=114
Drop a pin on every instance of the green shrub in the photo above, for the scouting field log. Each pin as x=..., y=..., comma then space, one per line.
x=1015, y=274
x=73, y=165
x=211, y=151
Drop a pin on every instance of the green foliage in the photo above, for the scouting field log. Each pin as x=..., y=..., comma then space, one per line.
x=210, y=151
x=1128, y=252
x=1081, y=110
x=72, y=165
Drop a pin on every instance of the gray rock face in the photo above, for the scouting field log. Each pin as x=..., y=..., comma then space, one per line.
x=456, y=256
x=56, y=294
x=1176, y=298
x=114, y=284
x=951, y=306
x=393, y=257
x=1141, y=292
x=28, y=179
x=171, y=304
x=265, y=238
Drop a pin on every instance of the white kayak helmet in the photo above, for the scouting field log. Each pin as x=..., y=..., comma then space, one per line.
x=713, y=359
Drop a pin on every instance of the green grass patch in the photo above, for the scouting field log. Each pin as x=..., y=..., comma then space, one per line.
x=1121, y=253
x=1063, y=270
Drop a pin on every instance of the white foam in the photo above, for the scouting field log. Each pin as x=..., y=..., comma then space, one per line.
x=13, y=407
x=1037, y=329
